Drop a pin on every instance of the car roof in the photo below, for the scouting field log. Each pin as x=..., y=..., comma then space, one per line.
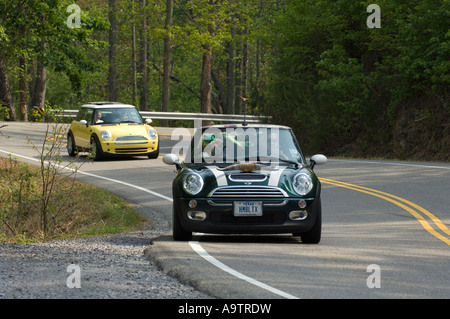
x=104, y=105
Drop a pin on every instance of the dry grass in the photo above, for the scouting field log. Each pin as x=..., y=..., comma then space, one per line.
x=73, y=210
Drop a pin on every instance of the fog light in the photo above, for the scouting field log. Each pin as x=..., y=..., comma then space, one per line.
x=192, y=203
x=298, y=215
x=196, y=215
x=302, y=203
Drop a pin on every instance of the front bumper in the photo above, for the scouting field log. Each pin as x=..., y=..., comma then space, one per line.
x=218, y=217
x=129, y=148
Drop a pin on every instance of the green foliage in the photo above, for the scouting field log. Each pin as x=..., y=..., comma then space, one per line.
x=4, y=115
x=313, y=65
x=345, y=85
x=3, y=35
x=39, y=31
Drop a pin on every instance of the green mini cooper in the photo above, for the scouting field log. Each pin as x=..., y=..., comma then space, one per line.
x=244, y=179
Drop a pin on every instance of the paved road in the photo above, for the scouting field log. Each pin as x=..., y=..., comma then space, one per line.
x=385, y=230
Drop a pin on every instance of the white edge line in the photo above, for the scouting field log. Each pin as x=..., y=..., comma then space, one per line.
x=195, y=245
x=97, y=176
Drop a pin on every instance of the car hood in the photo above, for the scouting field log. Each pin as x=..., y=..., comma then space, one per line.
x=125, y=129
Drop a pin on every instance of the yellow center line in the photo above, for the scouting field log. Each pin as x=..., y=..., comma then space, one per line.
x=397, y=201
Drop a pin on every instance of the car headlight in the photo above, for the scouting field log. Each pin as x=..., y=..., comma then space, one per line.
x=152, y=133
x=105, y=135
x=193, y=183
x=302, y=183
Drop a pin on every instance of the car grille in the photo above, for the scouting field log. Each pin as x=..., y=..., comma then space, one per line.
x=248, y=191
x=131, y=150
x=130, y=138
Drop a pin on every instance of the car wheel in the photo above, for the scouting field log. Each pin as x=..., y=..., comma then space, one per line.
x=314, y=234
x=71, y=147
x=96, y=149
x=178, y=232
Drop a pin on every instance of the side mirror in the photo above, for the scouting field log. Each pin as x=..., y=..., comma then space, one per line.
x=83, y=122
x=170, y=159
x=318, y=159
x=148, y=121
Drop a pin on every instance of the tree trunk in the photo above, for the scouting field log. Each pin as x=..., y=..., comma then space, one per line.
x=40, y=85
x=6, y=99
x=231, y=74
x=23, y=88
x=257, y=64
x=40, y=82
x=244, y=71
x=166, y=61
x=238, y=88
x=220, y=99
x=205, y=85
x=133, y=65
x=23, y=73
x=143, y=70
x=112, y=73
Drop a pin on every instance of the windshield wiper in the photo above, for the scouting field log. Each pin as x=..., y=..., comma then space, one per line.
x=247, y=158
x=283, y=160
x=132, y=122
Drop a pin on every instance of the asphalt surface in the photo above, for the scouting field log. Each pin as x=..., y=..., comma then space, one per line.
x=385, y=231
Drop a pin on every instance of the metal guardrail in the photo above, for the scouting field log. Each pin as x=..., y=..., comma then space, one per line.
x=202, y=116
x=185, y=116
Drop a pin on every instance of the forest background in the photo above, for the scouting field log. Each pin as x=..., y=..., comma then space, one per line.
x=345, y=88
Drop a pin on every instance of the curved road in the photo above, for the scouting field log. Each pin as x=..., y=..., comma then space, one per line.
x=385, y=230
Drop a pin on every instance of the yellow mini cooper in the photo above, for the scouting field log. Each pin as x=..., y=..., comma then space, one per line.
x=112, y=129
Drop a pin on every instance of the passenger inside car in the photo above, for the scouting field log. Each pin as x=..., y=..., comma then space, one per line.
x=97, y=118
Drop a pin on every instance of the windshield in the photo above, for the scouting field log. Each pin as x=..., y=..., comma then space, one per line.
x=117, y=115
x=252, y=144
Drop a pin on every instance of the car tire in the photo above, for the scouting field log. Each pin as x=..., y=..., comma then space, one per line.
x=314, y=234
x=71, y=147
x=178, y=232
x=96, y=149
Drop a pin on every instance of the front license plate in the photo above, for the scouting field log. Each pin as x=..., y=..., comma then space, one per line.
x=248, y=209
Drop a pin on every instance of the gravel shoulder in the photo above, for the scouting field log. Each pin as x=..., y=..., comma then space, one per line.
x=109, y=267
